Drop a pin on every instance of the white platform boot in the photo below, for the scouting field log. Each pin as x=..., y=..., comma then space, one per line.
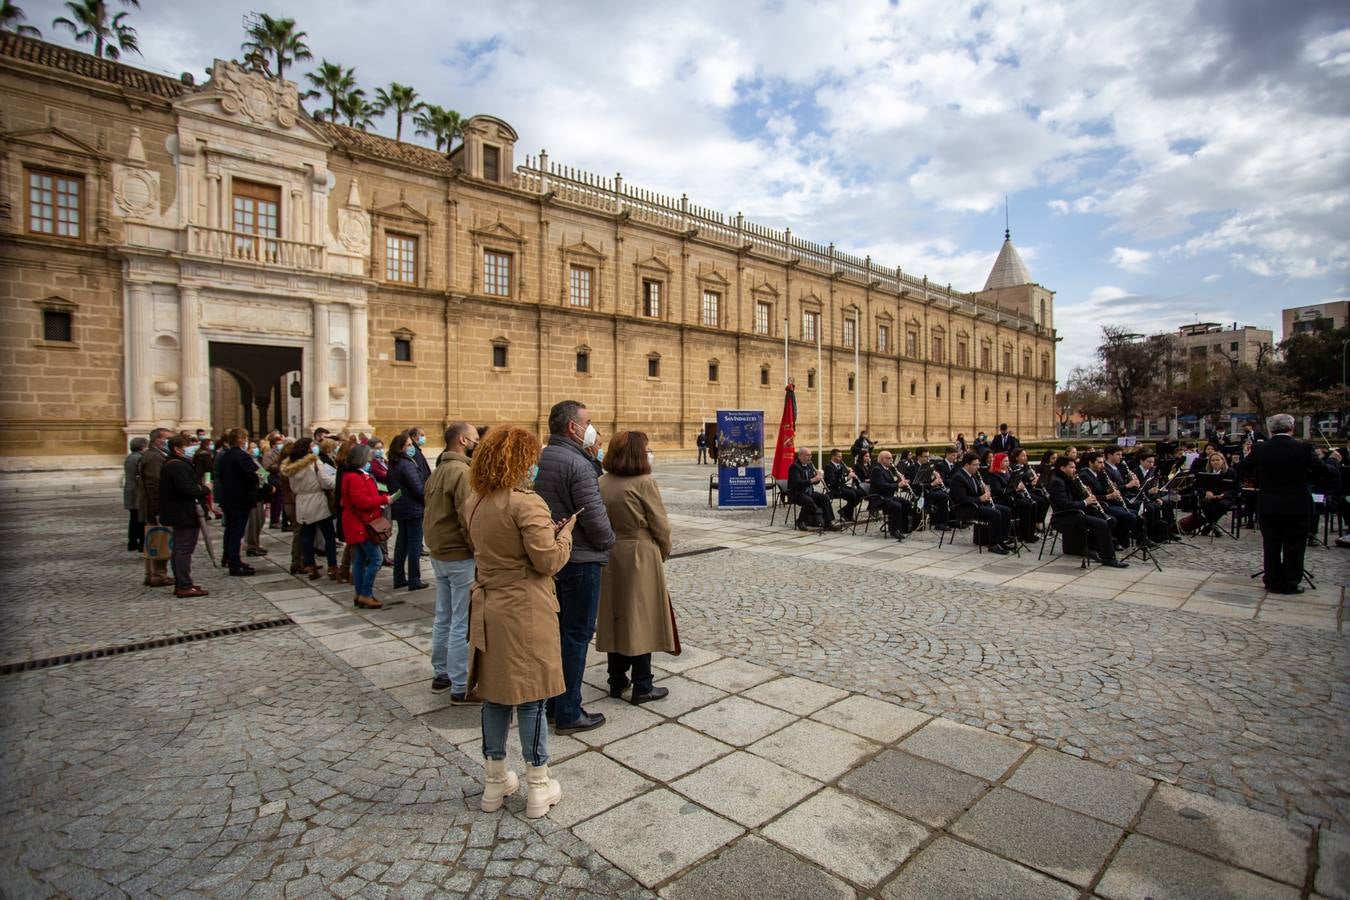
x=499, y=784
x=544, y=792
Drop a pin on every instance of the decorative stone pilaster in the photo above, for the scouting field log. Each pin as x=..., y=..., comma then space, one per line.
x=194, y=384
x=358, y=376
x=318, y=365
x=140, y=405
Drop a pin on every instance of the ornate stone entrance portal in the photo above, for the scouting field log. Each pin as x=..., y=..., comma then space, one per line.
x=251, y=386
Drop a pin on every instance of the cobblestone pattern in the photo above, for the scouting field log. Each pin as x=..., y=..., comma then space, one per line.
x=1250, y=713
x=69, y=584
x=253, y=766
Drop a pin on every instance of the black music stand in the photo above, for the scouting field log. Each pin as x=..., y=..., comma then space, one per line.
x=1306, y=577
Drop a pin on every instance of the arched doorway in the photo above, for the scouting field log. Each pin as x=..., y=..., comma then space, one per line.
x=256, y=387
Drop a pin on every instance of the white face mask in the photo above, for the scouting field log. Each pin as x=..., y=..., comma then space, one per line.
x=650, y=458
x=588, y=441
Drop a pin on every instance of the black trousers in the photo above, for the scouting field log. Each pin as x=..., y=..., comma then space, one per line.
x=996, y=521
x=184, y=542
x=135, y=532
x=851, y=497
x=939, y=504
x=1080, y=529
x=821, y=503
x=897, y=513
x=1284, y=540
x=1127, y=523
x=1024, y=509
x=641, y=666
x=236, y=521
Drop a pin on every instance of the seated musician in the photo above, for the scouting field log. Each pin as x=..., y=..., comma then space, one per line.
x=1046, y=468
x=1218, y=492
x=1160, y=516
x=1079, y=516
x=862, y=468
x=1020, y=469
x=1012, y=494
x=802, y=477
x=886, y=482
x=971, y=499
x=907, y=465
x=1121, y=475
x=935, y=496
x=841, y=483
x=1094, y=476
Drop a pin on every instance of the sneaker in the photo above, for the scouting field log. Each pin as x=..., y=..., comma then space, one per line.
x=440, y=684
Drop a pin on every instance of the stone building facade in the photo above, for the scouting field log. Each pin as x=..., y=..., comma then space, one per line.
x=206, y=256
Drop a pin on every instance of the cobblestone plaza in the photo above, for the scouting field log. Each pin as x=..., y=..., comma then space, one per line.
x=850, y=717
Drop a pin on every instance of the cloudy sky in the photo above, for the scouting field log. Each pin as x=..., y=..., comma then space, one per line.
x=1163, y=161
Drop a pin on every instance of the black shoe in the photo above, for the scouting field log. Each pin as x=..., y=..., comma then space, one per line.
x=400, y=584
x=1115, y=564
x=241, y=571
x=440, y=684
x=656, y=693
x=257, y=551
x=999, y=549
x=587, y=722
x=618, y=691
x=1289, y=590
x=417, y=585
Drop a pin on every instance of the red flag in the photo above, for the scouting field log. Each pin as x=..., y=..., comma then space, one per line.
x=782, y=455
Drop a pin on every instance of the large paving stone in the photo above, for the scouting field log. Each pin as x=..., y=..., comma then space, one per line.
x=457, y=724
x=399, y=672
x=967, y=749
x=621, y=719
x=684, y=696
x=796, y=695
x=1088, y=788
x=1145, y=869
x=667, y=751
x=1065, y=844
x=814, y=749
x=731, y=674
x=736, y=720
x=1254, y=840
x=952, y=870
x=654, y=836
x=1333, y=865
x=875, y=719
x=376, y=653
x=851, y=837
x=915, y=787
x=689, y=658
x=745, y=788
x=592, y=783
x=754, y=869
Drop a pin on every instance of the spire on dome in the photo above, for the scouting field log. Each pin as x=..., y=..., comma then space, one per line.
x=1009, y=270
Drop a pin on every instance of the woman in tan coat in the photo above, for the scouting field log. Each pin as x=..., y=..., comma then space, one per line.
x=515, y=659
x=636, y=617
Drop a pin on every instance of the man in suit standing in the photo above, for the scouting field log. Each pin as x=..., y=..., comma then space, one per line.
x=1285, y=470
x=1005, y=441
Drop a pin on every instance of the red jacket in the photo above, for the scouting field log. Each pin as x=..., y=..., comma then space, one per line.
x=361, y=503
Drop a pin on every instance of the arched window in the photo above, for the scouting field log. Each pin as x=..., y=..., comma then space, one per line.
x=884, y=384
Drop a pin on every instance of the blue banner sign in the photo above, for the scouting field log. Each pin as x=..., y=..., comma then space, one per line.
x=740, y=458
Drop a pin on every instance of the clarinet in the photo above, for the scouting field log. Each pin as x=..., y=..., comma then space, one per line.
x=1091, y=509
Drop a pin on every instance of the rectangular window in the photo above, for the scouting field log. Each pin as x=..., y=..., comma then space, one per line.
x=938, y=348
x=1026, y=363
x=1045, y=367
x=54, y=204
x=56, y=326
x=583, y=363
x=1233, y=346
x=400, y=259
x=810, y=325
x=492, y=163
x=764, y=375
x=581, y=286
x=911, y=343
x=496, y=273
x=711, y=303
x=653, y=367
x=984, y=358
x=651, y=299
x=499, y=357
x=811, y=379
x=763, y=316
x=1007, y=361
x=712, y=371
x=402, y=350
x=962, y=354
x=256, y=214
x=883, y=338
x=850, y=332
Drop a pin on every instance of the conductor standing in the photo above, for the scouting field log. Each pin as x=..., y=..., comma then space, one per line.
x=1285, y=470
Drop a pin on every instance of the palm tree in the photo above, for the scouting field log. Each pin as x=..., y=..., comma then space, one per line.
x=358, y=111
x=335, y=81
x=275, y=37
x=402, y=99
x=12, y=17
x=442, y=124
x=89, y=23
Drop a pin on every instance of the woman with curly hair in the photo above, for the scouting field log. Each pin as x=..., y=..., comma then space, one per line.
x=516, y=658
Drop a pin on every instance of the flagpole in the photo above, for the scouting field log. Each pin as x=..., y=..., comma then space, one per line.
x=820, y=409
x=857, y=372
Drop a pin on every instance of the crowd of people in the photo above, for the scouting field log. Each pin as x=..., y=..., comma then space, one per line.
x=534, y=550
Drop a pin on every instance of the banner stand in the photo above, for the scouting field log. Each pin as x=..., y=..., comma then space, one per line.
x=740, y=459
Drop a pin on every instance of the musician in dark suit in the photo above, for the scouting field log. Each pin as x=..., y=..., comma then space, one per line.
x=929, y=480
x=841, y=483
x=886, y=482
x=1005, y=441
x=862, y=468
x=1074, y=516
x=1285, y=470
x=1218, y=492
x=802, y=476
x=1093, y=474
x=971, y=499
x=1012, y=495
x=1034, y=482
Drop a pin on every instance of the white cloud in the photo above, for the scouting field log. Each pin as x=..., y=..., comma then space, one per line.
x=1210, y=279
x=1080, y=323
x=1131, y=260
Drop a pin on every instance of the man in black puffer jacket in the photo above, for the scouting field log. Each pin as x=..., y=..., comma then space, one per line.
x=179, y=493
x=568, y=484
x=236, y=488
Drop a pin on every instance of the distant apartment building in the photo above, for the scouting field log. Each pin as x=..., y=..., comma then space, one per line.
x=1314, y=317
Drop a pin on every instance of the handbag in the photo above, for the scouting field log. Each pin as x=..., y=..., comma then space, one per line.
x=158, y=542
x=379, y=529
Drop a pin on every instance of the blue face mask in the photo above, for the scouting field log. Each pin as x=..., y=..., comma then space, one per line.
x=410, y=451
x=421, y=440
x=379, y=454
x=257, y=451
x=314, y=449
x=366, y=467
x=189, y=450
x=534, y=472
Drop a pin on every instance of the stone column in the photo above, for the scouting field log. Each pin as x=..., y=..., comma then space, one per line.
x=358, y=374
x=318, y=364
x=193, y=387
x=140, y=405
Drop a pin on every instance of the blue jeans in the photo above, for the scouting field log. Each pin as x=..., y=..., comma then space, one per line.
x=450, y=631
x=366, y=560
x=578, y=587
x=408, y=551
x=531, y=723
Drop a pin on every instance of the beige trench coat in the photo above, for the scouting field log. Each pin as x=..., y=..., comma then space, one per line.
x=515, y=650
x=635, y=612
